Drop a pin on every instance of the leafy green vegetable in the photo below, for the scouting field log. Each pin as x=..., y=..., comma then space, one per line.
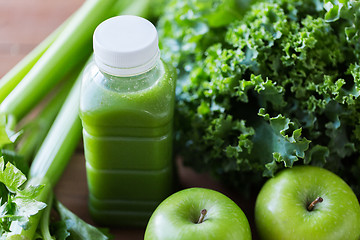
x=68, y=226
x=21, y=212
x=75, y=227
x=187, y=28
x=277, y=87
x=346, y=9
x=20, y=204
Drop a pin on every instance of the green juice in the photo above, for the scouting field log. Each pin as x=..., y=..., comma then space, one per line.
x=127, y=132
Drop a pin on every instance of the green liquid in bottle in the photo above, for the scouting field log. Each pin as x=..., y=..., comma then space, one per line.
x=127, y=132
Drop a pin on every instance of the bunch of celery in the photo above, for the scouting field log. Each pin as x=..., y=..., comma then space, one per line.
x=33, y=158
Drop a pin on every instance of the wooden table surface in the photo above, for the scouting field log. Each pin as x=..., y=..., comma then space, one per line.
x=23, y=24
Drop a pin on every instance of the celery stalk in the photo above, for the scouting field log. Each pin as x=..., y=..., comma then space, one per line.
x=61, y=141
x=65, y=52
x=44, y=222
x=35, y=131
x=10, y=80
x=138, y=8
x=70, y=47
x=54, y=153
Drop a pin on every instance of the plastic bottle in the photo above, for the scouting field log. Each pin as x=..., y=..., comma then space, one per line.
x=126, y=108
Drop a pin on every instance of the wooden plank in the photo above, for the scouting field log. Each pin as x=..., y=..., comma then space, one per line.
x=25, y=23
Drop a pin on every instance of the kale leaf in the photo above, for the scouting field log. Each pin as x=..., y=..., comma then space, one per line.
x=270, y=88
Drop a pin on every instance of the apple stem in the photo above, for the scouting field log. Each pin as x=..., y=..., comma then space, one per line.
x=313, y=203
x=202, y=216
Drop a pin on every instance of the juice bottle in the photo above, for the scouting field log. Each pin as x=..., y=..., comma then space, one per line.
x=126, y=108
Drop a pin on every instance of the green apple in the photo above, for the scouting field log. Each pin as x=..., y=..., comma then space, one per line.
x=198, y=213
x=307, y=202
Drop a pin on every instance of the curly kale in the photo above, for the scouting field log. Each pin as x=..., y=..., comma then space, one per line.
x=188, y=28
x=278, y=86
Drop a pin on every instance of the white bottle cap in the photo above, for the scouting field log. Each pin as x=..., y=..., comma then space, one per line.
x=126, y=45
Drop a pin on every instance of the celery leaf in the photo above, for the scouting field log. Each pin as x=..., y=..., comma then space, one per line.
x=12, y=177
x=21, y=201
x=77, y=228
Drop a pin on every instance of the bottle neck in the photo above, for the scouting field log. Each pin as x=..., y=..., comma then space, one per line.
x=119, y=67
x=134, y=83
